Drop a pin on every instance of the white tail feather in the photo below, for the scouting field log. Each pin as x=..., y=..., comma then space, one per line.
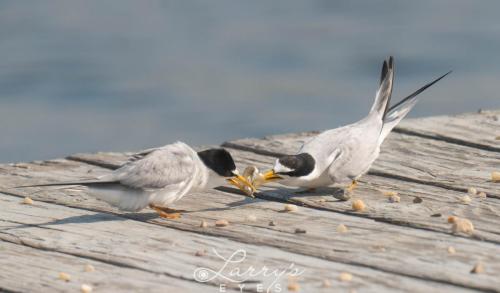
x=397, y=112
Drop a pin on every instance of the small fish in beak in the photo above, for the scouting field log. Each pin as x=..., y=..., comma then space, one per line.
x=260, y=179
x=243, y=183
x=251, y=179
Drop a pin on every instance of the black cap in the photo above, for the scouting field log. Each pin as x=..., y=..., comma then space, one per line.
x=218, y=160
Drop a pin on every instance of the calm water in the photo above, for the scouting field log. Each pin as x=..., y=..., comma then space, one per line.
x=84, y=76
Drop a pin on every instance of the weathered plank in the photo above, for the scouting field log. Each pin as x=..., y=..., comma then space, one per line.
x=480, y=130
x=368, y=244
x=437, y=201
x=445, y=201
x=136, y=255
x=25, y=269
x=434, y=164
x=407, y=157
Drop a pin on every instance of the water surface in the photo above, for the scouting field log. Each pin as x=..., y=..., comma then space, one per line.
x=84, y=76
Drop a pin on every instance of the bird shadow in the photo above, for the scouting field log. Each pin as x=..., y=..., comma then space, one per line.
x=277, y=194
x=244, y=201
x=285, y=193
x=86, y=219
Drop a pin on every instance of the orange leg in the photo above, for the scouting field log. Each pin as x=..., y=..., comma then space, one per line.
x=166, y=212
x=352, y=186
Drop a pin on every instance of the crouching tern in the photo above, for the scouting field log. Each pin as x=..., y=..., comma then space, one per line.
x=343, y=155
x=158, y=177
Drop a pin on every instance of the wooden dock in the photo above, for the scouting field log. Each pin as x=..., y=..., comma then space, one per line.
x=405, y=246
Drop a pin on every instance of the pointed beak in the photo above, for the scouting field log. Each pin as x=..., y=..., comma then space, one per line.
x=242, y=183
x=271, y=176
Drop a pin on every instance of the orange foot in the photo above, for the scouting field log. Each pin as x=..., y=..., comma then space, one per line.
x=166, y=212
x=352, y=186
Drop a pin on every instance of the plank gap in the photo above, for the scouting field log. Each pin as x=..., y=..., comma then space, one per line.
x=446, y=139
x=12, y=239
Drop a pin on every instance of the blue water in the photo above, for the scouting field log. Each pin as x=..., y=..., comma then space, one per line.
x=84, y=76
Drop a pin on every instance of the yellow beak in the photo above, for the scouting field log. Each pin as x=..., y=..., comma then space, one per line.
x=243, y=184
x=271, y=175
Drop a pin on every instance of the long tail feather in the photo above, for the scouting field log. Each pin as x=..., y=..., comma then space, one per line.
x=383, y=97
x=397, y=112
x=112, y=192
x=84, y=183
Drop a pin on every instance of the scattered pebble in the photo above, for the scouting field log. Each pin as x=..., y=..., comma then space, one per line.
x=65, y=277
x=358, y=205
x=221, y=223
x=294, y=287
x=394, y=198
x=482, y=194
x=389, y=193
x=418, y=199
x=465, y=199
x=341, y=228
x=451, y=250
x=462, y=225
x=345, y=277
x=272, y=223
x=436, y=215
x=86, y=288
x=379, y=248
x=203, y=224
x=326, y=283
x=89, y=268
x=495, y=176
x=251, y=218
x=27, y=200
x=201, y=253
x=300, y=231
x=477, y=269
x=290, y=208
x=452, y=219
x=472, y=191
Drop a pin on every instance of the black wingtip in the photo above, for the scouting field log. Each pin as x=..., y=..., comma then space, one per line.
x=420, y=90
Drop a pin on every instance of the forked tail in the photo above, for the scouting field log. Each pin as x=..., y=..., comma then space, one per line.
x=383, y=96
x=397, y=112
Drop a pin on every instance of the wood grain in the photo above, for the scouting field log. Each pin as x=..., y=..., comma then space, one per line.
x=369, y=244
x=388, y=247
x=479, y=130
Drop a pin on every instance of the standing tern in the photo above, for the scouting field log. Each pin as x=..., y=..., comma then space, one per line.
x=158, y=177
x=344, y=154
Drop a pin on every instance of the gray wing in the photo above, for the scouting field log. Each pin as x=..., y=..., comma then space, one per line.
x=344, y=151
x=158, y=168
x=155, y=168
x=140, y=155
x=359, y=147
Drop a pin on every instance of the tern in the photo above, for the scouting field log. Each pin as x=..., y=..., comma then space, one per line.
x=342, y=155
x=160, y=176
